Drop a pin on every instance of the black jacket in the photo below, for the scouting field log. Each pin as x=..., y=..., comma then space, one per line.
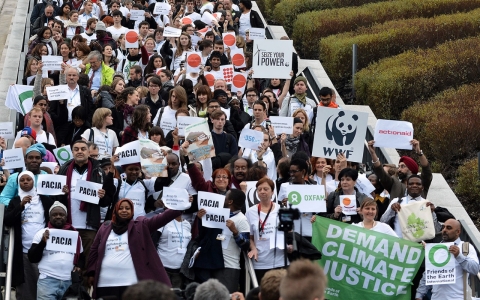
x=98, y=176
x=39, y=9
x=228, y=127
x=154, y=106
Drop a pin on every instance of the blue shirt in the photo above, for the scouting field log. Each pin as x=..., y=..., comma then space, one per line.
x=10, y=190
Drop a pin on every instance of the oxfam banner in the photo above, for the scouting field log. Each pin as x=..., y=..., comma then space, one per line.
x=307, y=198
x=363, y=262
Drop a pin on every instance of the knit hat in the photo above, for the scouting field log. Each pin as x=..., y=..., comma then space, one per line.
x=57, y=204
x=219, y=93
x=411, y=164
x=29, y=131
x=37, y=147
x=100, y=26
x=299, y=78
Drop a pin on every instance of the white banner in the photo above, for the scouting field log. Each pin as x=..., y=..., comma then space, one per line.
x=282, y=125
x=62, y=240
x=57, y=92
x=439, y=264
x=87, y=191
x=348, y=204
x=216, y=218
x=6, y=130
x=340, y=131
x=51, y=185
x=174, y=198
x=63, y=154
x=250, y=139
x=255, y=33
x=210, y=200
x=393, y=134
x=137, y=15
x=184, y=121
x=172, y=32
x=13, y=158
x=162, y=8
x=229, y=40
x=272, y=58
x=52, y=63
x=128, y=153
x=307, y=198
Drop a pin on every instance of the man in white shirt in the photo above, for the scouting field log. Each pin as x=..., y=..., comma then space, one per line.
x=464, y=265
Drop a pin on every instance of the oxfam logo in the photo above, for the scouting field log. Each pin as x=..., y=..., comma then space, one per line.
x=433, y=251
x=294, y=198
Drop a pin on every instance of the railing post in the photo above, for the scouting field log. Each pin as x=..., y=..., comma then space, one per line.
x=354, y=67
x=8, y=283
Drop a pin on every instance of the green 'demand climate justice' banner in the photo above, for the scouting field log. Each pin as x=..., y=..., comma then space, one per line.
x=365, y=263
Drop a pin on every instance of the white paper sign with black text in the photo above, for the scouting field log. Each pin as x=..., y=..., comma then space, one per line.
x=13, y=158
x=62, y=240
x=256, y=33
x=171, y=32
x=364, y=185
x=282, y=125
x=6, y=130
x=340, y=131
x=161, y=8
x=87, y=191
x=63, y=154
x=348, y=204
x=174, y=198
x=393, y=134
x=216, y=218
x=58, y=92
x=439, y=264
x=210, y=200
x=51, y=185
x=184, y=121
x=272, y=58
x=137, y=15
x=128, y=153
x=52, y=63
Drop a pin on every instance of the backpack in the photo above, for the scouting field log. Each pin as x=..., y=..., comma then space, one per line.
x=160, y=116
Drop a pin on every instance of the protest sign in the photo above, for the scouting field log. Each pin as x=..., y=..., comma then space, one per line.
x=255, y=33
x=200, y=139
x=184, y=121
x=128, y=153
x=13, y=158
x=186, y=21
x=272, y=58
x=63, y=154
x=439, y=264
x=154, y=164
x=168, y=123
x=52, y=63
x=238, y=58
x=172, y=32
x=51, y=185
x=57, y=92
x=210, y=77
x=348, y=204
x=282, y=125
x=229, y=40
x=364, y=185
x=131, y=39
x=340, y=131
x=216, y=218
x=194, y=60
x=87, y=191
x=50, y=165
x=307, y=198
x=239, y=81
x=227, y=73
x=208, y=18
x=210, y=200
x=161, y=8
x=62, y=240
x=6, y=130
x=252, y=194
x=250, y=139
x=358, y=261
x=137, y=15
x=393, y=134
x=177, y=199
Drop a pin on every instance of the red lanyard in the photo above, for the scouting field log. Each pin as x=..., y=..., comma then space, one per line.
x=261, y=224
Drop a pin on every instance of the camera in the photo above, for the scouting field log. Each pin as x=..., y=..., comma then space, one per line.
x=286, y=217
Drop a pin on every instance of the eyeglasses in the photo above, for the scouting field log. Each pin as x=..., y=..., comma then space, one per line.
x=293, y=171
x=221, y=177
x=214, y=107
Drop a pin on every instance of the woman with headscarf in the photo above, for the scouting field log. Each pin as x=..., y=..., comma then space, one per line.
x=27, y=213
x=124, y=247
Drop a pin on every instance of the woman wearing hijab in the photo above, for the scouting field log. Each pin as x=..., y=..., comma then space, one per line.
x=123, y=252
x=27, y=213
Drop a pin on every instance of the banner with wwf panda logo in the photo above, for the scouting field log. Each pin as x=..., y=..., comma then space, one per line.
x=338, y=131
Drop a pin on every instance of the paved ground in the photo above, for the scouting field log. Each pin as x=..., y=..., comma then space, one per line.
x=7, y=10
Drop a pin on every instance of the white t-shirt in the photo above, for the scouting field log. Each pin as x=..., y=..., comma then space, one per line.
x=79, y=218
x=33, y=220
x=116, y=32
x=105, y=142
x=89, y=38
x=266, y=256
x=268, y=159
x=244, y=24
x=41, y=137
x=173, y=243
x=136, y=193
x=380, y=227
x=231, y=251
x=168, y=119
x=117, y=265
x=56, y=264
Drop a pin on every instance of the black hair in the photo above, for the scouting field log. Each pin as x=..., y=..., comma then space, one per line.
x=300, y=163
x=246, y=3
x=117, y=13
x=215, y=54
x=238, y=198
x=325, y=91
x=415, y=176
x=79, y=112
x=235, y=158
x=260, y=102
x=348, y=172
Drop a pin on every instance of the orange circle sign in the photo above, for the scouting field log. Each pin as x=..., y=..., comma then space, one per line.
x=194, y=60
x=229, y=40
x=131, y=37
x=238, y=59
x=347, y=201
x=186, y=21
x=239, y=81
x=210, y=79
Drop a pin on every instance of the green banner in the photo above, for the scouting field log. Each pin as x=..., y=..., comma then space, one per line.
x=363, y=262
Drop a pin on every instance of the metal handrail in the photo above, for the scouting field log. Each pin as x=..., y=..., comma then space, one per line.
x=250, y=277
x=8, y=283
x=467, y=236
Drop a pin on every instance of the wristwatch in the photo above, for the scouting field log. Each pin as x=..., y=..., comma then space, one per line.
x=420, y=153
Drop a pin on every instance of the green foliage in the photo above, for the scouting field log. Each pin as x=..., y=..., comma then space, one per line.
x=468, y=182
x=447, y=125
x=269, y=7
x=392, y=38
x=311, y=26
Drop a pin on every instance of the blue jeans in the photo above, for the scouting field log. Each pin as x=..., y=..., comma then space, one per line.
x=50, y=288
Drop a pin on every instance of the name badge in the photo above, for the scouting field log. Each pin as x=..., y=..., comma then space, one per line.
x=346, y=219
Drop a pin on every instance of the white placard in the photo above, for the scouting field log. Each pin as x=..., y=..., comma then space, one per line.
x=307, y=198
x=62, y=240
x=6, y=130
x=128, y=153
x=184, y=121
x=168, y=123
x=348, y=204
x=250, y=139
x=237, y=58
x=216, y=218
x=340, y=131
x=210, y=200
x=272, y=58
x=57, y=92
x=174, y=198
x=162, y=8
x=87, y=191
x=131, y=39
x=439, y=264
x=13, y=158
x=208, y=19
x=255, y=33
x=282, y=125
x=393, y=134
x=364, y=185
x=279, y=242
x=229, y=40
x=52, y=63
x=63, y=154
x=194, y=61
x=171, y=32
x=51, y=185
x=50, y=165
x=137, y=15
x=239, y=81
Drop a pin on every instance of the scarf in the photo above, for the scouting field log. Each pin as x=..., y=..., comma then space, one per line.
x=235, y=182
x=127, y=113
x=134, y=57
x=83, y=205
x=68, y=23
x=106, y=39
x=69, y=226
x=48, y=122
x=33, y=192
x=301, y=97
x=52, y=43
x=291, y=143
x=119, y=224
